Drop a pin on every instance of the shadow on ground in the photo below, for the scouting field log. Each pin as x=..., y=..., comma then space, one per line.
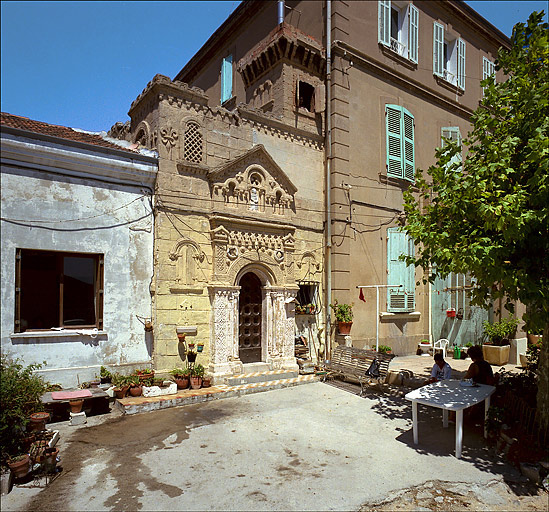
x=434, y=440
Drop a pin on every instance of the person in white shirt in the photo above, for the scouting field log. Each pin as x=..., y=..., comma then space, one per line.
x=441, y=369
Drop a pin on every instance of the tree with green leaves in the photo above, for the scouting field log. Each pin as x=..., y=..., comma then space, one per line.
x=488, y=214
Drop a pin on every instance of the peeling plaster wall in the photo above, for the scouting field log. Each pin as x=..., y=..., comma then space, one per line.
x=116, y=221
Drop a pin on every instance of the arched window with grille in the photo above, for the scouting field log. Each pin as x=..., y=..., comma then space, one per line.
x=193, y=145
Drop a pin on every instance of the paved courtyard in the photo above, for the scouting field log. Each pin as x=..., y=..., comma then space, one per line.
x=313, y=447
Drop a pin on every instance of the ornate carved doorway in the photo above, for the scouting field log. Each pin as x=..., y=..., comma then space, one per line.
x=249, y=319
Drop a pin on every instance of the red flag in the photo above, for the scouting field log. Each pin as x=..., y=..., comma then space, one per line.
x=361, y=295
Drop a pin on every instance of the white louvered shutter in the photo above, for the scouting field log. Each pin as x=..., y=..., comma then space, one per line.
x=438, y=49
x=461, y=63
x=384, y=22
x=413, y=33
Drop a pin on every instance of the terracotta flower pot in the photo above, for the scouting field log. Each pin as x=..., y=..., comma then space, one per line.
x=121, y=392
x=38, y=421
x=136, y=391
x=344, y=327
x=20, y=467
x=206, y=382
x=182, y=382
x=196, y=382
x=76, y=405
x=50, y=459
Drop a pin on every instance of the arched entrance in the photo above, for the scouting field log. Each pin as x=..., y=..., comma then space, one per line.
x=249, y=319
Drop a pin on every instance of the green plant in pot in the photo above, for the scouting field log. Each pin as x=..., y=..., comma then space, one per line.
x=20, y=395
x=197, y=372
x=344, y=316
x=384, y=349
x=106, y=375
x=499, y=333
x=181, y=376
x=121, y=385
x=136, y=388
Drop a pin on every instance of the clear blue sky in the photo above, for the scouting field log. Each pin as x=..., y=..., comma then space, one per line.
x=81, y=64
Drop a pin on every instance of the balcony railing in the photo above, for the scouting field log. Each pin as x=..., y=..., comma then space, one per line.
x=399, y=48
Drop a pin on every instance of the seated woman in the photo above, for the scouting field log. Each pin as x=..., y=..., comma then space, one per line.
x=479, y=370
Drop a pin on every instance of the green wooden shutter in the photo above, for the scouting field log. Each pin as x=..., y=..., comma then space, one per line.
x=226, y=78
x=393, y=118
x=438, y=49
x=401, y=299
x=408, y=143
x=413, y=31
x=384, y=22
x=461, y=63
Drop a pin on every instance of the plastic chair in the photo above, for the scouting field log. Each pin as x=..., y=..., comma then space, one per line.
x=441, y=344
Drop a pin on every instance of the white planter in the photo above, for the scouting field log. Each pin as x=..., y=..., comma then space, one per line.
x=496, y=355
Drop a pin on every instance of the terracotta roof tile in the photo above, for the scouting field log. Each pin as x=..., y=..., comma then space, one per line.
x=63, y=132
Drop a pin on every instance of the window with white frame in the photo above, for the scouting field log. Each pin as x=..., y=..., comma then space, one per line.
x=58, y=289
x=398, y=26
x=488, y=69
x=399, y=136
x=401, y=295
x=448, y=57
x=452, y=133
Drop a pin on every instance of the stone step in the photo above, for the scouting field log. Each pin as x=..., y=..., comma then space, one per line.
x=265, y=376
x=135, y=405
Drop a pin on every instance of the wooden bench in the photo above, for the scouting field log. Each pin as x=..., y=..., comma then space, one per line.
x=355, y=362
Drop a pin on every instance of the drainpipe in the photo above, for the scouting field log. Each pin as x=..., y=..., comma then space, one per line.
x=280, y=12
x=328, y=150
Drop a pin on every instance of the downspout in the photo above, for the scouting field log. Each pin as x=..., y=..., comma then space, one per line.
x=280, y=12
x=328, y=151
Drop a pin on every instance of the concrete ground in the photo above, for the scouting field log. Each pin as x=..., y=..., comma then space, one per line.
x=313, y=447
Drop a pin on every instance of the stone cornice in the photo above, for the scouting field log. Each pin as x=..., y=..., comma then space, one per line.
x=161, y=84
x=284, y=43
x=217, y=220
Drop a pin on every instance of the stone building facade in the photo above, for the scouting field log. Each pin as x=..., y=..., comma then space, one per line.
x=281, y=172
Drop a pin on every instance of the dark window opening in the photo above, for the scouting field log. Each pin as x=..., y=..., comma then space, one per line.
x=394, y=24
x=55, y=289
x=308, y=299
x=306, y=96
x=445, y=59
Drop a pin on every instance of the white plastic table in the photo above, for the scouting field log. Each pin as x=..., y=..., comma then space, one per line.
x=449, y=395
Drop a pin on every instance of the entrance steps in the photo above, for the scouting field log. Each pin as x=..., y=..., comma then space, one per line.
x=246, y=384
x=265, y=376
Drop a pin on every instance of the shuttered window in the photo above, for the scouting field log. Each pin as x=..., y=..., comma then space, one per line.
x=400, y=277
x=453, y=133
x=227, y=79
x=398, y=28
x=488, y=68
x=400, y=142
x=448, y=57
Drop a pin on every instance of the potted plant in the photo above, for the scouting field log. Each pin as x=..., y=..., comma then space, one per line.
x=197, y=373
x=20, y=465
x=384, y=349
x=106, y=375
x=344, y=316
x=145, y=376
x=191, y=356
x=76, y=405
x=181, y=377
x=121, y=386
x=136, y=388
x=496, y=350
x=200, y=347
x=206, y=380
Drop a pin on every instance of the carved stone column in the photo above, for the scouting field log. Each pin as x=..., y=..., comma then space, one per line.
x=280, y=340
x=224, y=336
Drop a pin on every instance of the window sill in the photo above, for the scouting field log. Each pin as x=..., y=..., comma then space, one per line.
x=405, y=61
x=58, y=333
x=449, y=85
x=411, y=315
x=399, y=182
